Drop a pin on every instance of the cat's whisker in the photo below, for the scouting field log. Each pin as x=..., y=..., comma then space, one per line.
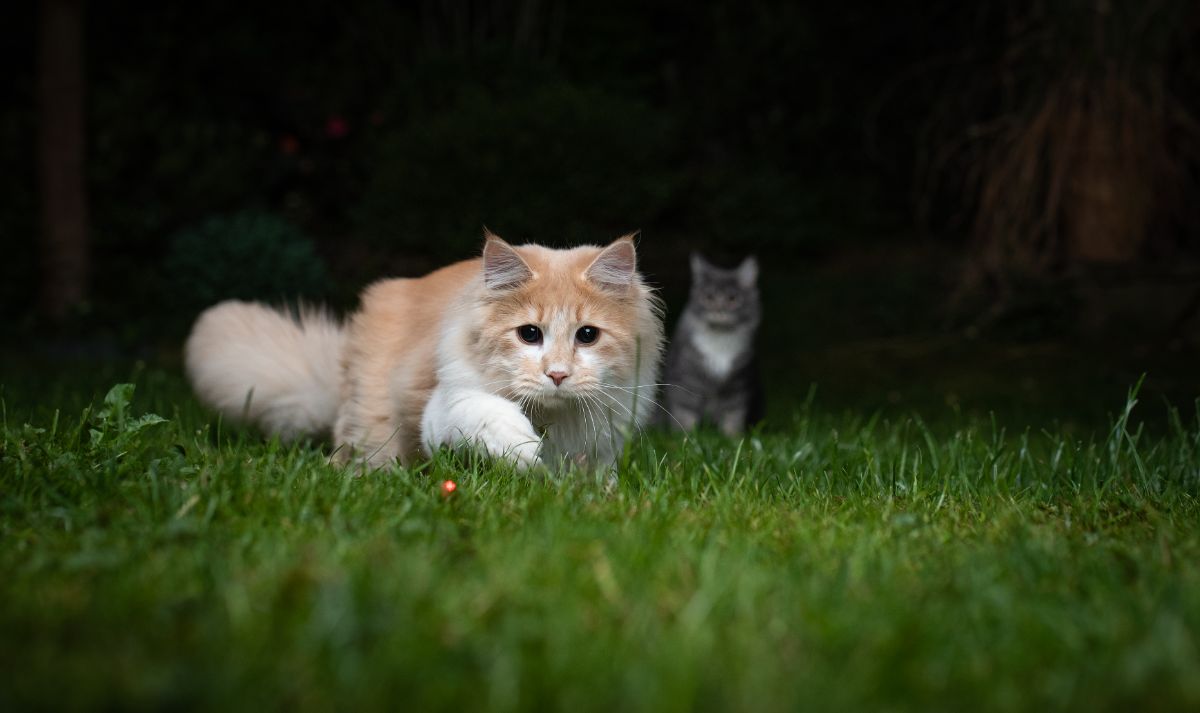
x=632, y=419
x=606, y=415
x=636, y=387
x=635, y=393
x=642, y=397
x=589, y=403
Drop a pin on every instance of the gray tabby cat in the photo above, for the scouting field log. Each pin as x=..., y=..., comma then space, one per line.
x=711, y=369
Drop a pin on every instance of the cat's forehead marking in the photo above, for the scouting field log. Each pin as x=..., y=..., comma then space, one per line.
x=717, y=274
x=723, y=280
x=559, y=278
x=548, y=313
x=550, y=263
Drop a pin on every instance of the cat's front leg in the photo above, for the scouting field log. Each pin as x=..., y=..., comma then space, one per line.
x=685, y=419
x=733, y=422
x=457, y=416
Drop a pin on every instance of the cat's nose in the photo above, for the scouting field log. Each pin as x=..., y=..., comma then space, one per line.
x=557, y=377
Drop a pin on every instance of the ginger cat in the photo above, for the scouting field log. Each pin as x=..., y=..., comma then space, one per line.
x=536, y=355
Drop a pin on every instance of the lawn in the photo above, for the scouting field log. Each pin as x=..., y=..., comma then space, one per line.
x=840, y=559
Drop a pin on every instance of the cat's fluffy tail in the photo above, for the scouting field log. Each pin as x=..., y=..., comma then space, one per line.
x=267, y=367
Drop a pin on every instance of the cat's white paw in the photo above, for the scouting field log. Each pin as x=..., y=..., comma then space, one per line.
x=483, y=421
x=513, y=439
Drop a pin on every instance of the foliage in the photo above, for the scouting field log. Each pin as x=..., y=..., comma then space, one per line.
x=837, y=562
x=247, y=255
x=554, y=163
x=777, y=212
x=1062, y=137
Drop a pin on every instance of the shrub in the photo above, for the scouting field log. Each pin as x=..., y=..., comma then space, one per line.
x=247, y=255
x=553, y=163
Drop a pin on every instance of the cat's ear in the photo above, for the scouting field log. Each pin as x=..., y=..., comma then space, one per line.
x=697, y=262
x=747, y=272
x=503, y=266
x=615, y=266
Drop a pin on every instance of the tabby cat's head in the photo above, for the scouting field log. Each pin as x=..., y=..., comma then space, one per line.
x=725, y=298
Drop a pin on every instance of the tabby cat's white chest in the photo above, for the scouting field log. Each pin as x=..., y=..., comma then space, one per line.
x=719, y=349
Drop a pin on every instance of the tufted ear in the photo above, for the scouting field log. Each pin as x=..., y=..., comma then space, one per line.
x=615, y=266
x=503, y=266
x=747, y=272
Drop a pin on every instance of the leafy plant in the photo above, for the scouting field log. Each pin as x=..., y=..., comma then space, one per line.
x=1063, y=139
x=247, y=255
x=555, y=163
x=113, y=423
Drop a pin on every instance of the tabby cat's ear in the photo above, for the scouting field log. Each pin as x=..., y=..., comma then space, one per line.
x=503, y=266
x=615, y=266
x=747, y=272
x=698, y=264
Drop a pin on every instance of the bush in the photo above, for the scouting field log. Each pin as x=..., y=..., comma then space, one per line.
x=741, y=209
x=247, y=255
x=555, y=163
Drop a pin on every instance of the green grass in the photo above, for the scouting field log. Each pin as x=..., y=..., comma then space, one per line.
x=834, y=562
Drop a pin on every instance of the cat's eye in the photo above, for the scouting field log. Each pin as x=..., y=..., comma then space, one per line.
x=587, y=335
x=529, y=334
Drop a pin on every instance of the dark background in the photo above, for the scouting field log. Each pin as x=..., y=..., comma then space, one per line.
x=980, y=206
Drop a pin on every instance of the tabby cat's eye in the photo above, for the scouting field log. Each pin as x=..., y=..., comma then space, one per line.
x=529, y=334
x=587, y=335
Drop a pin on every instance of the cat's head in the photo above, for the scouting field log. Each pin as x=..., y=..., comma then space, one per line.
x=725, y=298
x=563, y=326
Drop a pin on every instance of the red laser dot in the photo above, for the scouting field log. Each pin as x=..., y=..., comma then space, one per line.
x=448, y=487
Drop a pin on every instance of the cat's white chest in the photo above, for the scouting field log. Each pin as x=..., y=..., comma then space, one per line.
x=719, y=349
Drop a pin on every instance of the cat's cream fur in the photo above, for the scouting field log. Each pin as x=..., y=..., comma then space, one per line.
x=437, y=360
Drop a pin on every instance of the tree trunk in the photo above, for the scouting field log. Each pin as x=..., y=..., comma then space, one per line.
x=60, y=156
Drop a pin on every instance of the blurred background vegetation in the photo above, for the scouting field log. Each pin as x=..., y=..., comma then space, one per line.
x=1022, y=171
